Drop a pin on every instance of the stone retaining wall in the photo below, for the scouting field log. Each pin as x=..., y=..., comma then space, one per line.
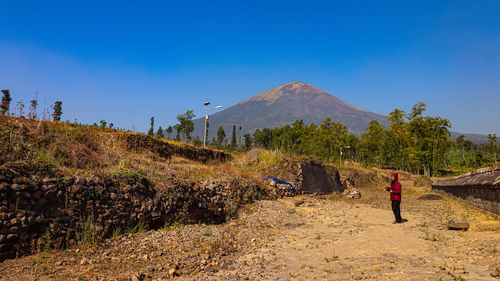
x=480, y=188
x=38, y=213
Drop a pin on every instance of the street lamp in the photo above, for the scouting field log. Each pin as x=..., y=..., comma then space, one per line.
x=206, y=120
x=340, y=159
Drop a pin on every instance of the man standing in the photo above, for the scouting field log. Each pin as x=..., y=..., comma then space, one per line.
x=395, y=191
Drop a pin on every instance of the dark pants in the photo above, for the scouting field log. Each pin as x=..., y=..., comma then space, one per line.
x=396, y=210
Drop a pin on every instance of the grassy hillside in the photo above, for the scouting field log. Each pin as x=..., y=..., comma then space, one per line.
x=50, y=148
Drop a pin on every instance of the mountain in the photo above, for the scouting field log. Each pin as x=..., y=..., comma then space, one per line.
x=475, y=138
x=284, y=105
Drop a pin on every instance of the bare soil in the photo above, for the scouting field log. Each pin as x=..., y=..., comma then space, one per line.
x=299, y=238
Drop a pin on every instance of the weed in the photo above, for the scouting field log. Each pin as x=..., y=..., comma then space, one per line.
x=117, y=231
x=173, y=226
x=136, y=228
x=88, y=233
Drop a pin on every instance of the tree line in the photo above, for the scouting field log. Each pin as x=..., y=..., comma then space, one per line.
x=18, y=110
x=411, y=142
x=184, y=128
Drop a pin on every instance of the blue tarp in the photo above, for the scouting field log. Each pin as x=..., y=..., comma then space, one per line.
x=280, y=181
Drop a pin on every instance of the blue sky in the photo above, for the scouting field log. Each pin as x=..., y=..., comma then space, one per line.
x=126, y=61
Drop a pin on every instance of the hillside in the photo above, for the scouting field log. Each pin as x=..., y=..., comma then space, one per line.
x=284, y=105
x=83, y=203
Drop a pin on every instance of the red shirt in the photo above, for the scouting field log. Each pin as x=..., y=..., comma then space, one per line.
x=395, y=189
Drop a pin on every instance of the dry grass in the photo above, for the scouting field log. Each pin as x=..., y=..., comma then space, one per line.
x=58, y=146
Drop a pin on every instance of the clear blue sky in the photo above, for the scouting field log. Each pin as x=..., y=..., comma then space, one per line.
x=125, y=61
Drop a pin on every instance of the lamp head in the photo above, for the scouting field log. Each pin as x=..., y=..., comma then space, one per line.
x=206, y=103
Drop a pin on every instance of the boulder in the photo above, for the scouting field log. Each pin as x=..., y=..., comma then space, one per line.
x=352, y=193
x=458, y=225
x=430, y=197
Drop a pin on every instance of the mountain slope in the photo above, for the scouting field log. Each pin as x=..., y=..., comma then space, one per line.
x=284, y=105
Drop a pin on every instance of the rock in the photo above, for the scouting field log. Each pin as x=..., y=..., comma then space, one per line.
x=12, y=237
x=14, y=221
x=49, y=180
x=430, y=197
x=458, y=225
x=141, y=217
x=3, y=186
x=80, y=181
x=36, y=195
x=15, y=187
x=137, y=277
x=228, y=265
x=3, y=238
x=352, y=193
x=172, y=271
x=4, y=216
x=14, y=229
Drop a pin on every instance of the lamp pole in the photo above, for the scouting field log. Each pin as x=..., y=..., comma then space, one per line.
x=206, y=120
x=340, y=159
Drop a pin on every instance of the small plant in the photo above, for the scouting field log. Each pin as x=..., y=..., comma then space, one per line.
x=88, y=233
x=116, y=232
x=137, y=228
x=173, y=226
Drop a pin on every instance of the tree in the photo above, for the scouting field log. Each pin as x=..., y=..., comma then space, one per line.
x=233, y=138
x=57, y=107
x=110, y=125
x=103, y=124
x=239, y=135
x=221, y=136
x=33, y=106
x=248, y=141
x=461, y=145
x=429, y=140
x=492, y=139
x=169, y=131
x=197, y=141
x=6, y=99
x=159, y=133
x=371, y=144
x=152, y=130
x=20, y=108
x=186, y=125
x=178, y=131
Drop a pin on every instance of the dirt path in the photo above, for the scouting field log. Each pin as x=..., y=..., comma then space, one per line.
x=300, y=238
x=340, y=241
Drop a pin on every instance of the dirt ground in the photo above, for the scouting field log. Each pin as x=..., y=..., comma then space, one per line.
x=297, y=238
